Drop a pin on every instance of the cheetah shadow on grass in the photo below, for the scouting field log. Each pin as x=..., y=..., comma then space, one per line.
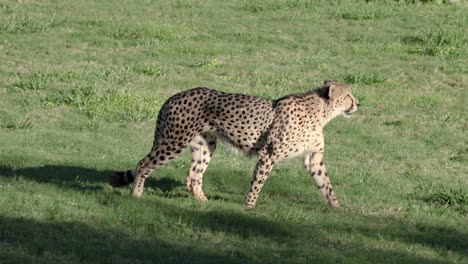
x=76, y=178
x=26, y=240
x=164, y=184
x=70, y=177
x=29, y=240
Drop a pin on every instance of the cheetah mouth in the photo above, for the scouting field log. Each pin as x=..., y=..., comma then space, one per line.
x=348, y=113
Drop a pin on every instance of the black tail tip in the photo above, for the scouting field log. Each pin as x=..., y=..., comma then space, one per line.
x=121, y=178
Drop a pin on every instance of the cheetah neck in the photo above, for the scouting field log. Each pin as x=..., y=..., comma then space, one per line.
x=328, y=111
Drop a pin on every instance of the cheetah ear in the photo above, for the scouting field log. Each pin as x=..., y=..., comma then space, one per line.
x=334, y=92
x=326, y=91
x=328, y=83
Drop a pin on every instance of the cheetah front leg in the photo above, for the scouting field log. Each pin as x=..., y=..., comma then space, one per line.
x=202, y=148
x=313, y=162
x=260, y=175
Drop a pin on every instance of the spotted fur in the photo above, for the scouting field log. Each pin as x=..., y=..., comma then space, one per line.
x=270, y=129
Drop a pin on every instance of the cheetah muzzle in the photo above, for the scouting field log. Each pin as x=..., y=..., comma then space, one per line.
x=270, y=129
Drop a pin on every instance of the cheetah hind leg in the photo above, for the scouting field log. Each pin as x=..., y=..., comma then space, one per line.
x=202, y=147
x=159, y=155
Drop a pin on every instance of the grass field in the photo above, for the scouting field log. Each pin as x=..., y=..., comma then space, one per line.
x=81, y=83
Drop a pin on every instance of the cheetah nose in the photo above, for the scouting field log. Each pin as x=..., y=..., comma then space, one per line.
x=358, y=104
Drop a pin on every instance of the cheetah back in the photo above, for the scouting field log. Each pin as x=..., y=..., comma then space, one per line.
x=240, y=120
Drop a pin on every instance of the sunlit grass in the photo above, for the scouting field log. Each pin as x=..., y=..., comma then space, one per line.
x=81, y=84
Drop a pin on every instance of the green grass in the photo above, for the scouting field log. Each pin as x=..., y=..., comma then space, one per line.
x=81, y=83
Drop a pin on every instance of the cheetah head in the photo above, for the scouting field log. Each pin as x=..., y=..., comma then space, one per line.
x=340, y=98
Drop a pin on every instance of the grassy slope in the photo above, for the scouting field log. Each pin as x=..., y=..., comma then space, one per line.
x=81, y=83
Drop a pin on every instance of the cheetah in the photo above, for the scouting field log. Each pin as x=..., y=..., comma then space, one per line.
x=273, y=130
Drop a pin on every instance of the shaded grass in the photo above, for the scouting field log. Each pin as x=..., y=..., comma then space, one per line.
x=200, y=229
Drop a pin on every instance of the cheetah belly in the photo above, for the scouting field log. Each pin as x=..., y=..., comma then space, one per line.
x=244, y=136
x=239, y=142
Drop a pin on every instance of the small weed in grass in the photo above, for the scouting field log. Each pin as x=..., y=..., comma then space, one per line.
x=460, y=155
x=27, y=24
x=79, y=97
x=429, y=102
x=17, y=123
x=208, y=64
x=443, y=43
x=364, y=14
x=122, y=75
x=140, y=32
x=393, y=123
x=117, y=105
x=126, y=32
x=21, y=123
x=6, y=8
x=449, y=196
x=362, y=100
x=186, y=4
x=272, y=5
x=42, y=80
x=364, y=78
x=35, y=81
x=405, y=2
x=149, y=70
x=412, y=40
x=457, y=120
x=439, y=42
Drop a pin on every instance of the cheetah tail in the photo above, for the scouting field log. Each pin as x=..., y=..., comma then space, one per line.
x=121, y=178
